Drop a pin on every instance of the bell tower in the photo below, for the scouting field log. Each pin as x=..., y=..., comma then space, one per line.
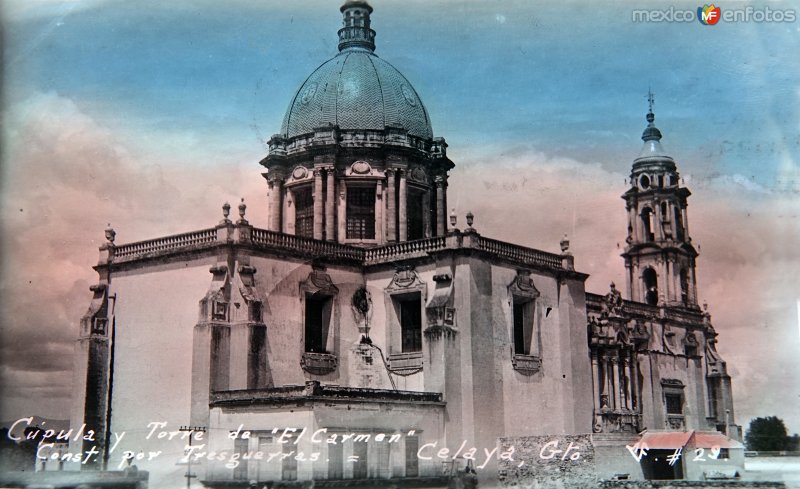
x=659, y=256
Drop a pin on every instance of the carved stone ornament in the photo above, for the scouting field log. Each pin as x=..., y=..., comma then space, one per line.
x=319, y=283
x=526, y=364
x=319, y=363
x=523, y=285
x=418, y=174
x=361, y=167
x=299, y=172
x=407, y=278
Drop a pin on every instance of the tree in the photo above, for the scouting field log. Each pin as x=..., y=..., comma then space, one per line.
x=766, y=434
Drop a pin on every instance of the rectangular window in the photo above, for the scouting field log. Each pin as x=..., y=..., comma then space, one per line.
x=523, y=326
x=414, y=214
x=304, y=212
x=289, y=463
x=674, y=403
x=360, y=459
x=360, y=213
x=316, y=330
x=267, y=470
x=412, y=461
x=99, y=326
x=240, y=447
x=384, y=460
x=335, y=461
x=411, y=323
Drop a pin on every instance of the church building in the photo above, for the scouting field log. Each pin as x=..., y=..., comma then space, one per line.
x=365, y=328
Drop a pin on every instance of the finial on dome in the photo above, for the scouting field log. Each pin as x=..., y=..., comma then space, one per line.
x=356, y=32
x=651, y=132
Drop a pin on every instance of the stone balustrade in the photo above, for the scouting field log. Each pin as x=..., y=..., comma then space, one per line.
x=520, y=254
x=403, y=249
x=262, y=239
x=164, y=245
x=308, y=246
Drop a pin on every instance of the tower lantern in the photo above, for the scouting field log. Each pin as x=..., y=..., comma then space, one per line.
x=659, y=256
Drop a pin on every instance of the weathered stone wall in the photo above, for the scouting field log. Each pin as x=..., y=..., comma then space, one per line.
x=551, y=462
x=684, y=484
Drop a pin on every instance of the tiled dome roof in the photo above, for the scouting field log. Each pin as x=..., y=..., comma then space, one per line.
x=356, y=90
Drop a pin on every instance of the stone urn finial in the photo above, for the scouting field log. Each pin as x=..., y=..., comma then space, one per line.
x=226, y=211
x=110, y=234
x=453, y=217
x=470, y=219
x=564, y=245
x=242, y=209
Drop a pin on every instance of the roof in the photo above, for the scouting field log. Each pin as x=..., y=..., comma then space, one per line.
x=672, y=440
x=356, y=90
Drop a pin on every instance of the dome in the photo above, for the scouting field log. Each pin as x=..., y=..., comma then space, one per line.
x=356, y=90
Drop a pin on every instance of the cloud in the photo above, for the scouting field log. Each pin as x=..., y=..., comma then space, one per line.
x=66, y=176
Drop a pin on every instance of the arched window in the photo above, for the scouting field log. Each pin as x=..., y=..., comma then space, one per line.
x=650, y=280
x=647, y=223
x=679, y=234
x=684, y=286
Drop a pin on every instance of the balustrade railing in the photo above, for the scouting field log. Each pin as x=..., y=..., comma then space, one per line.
x=315, y=247
x=405, y=249
x=327, y=249
x=168, y=243
x=519, y=253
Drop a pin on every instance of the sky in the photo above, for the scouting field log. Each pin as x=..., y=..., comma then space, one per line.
x=150, y=115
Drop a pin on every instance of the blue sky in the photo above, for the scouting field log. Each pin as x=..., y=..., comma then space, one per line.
x=151, y=114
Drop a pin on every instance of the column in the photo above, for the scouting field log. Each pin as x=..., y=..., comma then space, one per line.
x=391, y=209
x=403, y=202
x=642, y=289
x=426, y=213
x=640, y=227
x=693, y=285
x=634, y=224
x=675, y=284
x=330, y=221
x=615, y=371
x=379, y=212
x=318, y=203
x=674, y=222
x=658, y=221
x=441, y=211
x=595, y=382
x=288, y=212
x=626, y=385
x=342, y=210
x=668, y=280
x=685, y=223
x=662, y=279
x=634, y=383
x=275, y=203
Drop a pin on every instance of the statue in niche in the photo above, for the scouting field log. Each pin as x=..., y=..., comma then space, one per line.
x=612, y=303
